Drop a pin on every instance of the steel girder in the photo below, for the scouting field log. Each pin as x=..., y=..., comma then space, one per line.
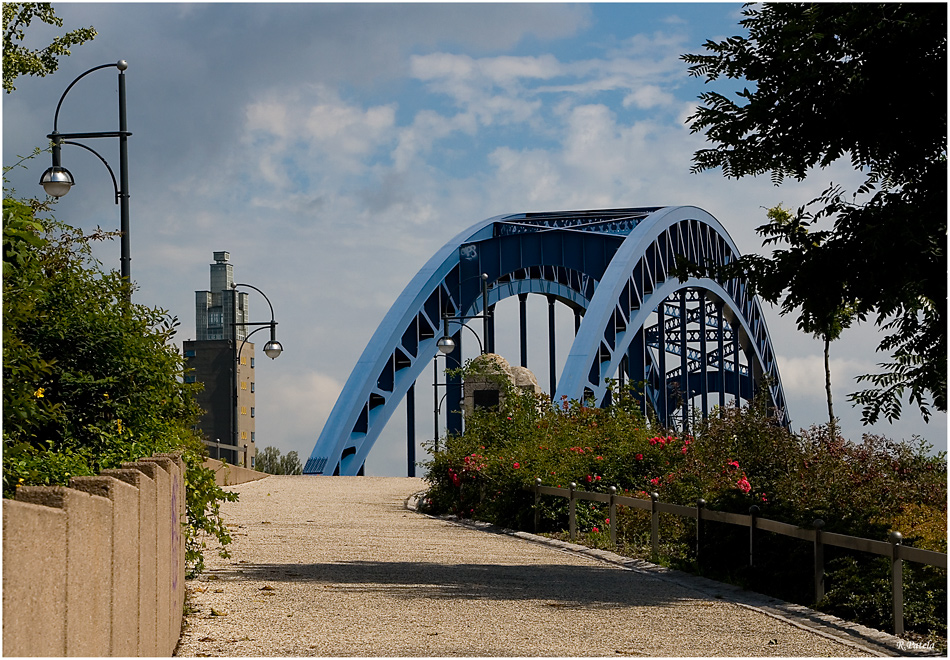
x=612, y=266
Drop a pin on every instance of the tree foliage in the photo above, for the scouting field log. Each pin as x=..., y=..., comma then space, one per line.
x=270, y=461
x=865, y=82
x=18, y=59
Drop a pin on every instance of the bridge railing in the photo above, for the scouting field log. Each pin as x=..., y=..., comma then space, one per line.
x=892, y=548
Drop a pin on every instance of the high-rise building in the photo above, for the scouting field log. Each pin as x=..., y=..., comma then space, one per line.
x=228, y=395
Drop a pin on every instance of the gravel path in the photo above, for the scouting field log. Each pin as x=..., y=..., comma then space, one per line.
x=337, y=566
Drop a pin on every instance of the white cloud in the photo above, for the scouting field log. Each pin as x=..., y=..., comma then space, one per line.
x=648, y=96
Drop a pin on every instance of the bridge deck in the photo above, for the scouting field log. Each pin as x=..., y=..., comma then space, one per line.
x=338, y=566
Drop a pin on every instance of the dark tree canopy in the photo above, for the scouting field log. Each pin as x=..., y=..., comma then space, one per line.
x=867, y=82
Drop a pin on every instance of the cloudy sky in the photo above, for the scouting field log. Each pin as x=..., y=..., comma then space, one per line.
x=333, y=148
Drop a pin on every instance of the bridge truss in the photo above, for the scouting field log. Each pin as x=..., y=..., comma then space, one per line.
x=684, y=345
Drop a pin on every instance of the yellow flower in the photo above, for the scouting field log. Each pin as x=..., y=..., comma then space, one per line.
x=106, y=395
x=39, y=393
x=119, y=422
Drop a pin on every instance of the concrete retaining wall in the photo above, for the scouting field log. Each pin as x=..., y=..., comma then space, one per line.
x=226, y=474
x=98, y=568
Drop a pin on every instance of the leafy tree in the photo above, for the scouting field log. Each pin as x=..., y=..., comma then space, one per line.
x=270, y=461
x=866, y=82
x=290, y=464
x=17, y=58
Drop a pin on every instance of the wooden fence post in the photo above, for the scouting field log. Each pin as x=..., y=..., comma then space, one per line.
x=612, y=514
x=537, y=504
x=654, y=529
x=897, y=580
x=819, y=562
x=700, y=504
x=573, y=512
x=753, y=514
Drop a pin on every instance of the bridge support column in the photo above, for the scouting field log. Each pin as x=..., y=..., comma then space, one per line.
x=490, y=335
x=636, y=368
x=684, y=362
x=411, y=430
x=523, y=310
x=722, y=355
x=552, y=364
x=703, y=358
x=663, y=398
x=735, y=357
x=453, y=387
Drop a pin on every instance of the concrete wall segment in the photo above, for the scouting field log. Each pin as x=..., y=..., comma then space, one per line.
x=166, y=525
x=34, y=580
x=147, y=538
x=88, y=565
x=124, y=601
x=97, y=568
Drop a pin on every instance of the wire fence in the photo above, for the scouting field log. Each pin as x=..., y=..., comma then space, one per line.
x=892, y=548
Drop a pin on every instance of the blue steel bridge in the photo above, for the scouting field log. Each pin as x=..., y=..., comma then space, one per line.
x=692, y=344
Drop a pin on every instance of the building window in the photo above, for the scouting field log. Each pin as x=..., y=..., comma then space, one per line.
x=243, y=435
x=252, y=460
x=253, y=433
x=189, y=379
x=252, y=363
x=243, y=384
x=252, y=412
x=190, y=353
x=243, y=410
x=252, y=385
x=244, y=360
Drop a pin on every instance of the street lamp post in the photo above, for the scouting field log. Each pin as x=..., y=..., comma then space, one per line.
x=272, y=349
x=57, y=180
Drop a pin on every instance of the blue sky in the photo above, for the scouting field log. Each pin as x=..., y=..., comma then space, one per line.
x=332, y=148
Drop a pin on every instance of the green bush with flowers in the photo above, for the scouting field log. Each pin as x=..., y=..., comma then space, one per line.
x=737, y=458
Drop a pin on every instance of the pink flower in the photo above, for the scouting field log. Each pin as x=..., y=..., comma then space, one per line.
x=607, y=522
x=655, y=481
x=639, y=457
x=595, y=530
x=589, y=478
x=597, y=478
x=734, y=464
x=743, y=484
x=517, y=465
x=685, y=448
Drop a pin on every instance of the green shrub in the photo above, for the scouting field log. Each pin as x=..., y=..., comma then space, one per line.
x=739, y=457
x=90, y=380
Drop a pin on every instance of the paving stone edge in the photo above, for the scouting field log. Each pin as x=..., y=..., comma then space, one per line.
x=862, y=638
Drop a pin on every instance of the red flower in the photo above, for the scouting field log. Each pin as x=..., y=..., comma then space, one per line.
x=516, y=466
x=595, y=530
x=607, y=522
x=734, y=464
x=655, y=481
x=743, y=484
x=639, y=457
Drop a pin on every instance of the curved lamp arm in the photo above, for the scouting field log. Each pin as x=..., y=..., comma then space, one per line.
x=447, y=342
x=96, y=153
x=251, y=286
x=121, y=65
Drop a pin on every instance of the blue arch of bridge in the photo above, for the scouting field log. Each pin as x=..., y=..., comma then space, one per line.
x=614, y=267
